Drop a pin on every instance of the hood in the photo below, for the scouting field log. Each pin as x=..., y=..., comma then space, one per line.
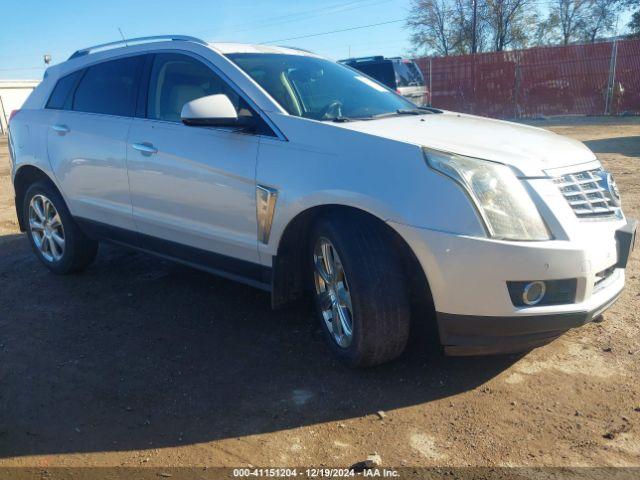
x=530, y=150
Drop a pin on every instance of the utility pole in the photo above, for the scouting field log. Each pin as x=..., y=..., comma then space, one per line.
x=474, y=43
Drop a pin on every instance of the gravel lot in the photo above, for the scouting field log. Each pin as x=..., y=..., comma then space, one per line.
x=140, y=362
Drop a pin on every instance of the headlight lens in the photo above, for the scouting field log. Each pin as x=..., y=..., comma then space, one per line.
x=504, y=204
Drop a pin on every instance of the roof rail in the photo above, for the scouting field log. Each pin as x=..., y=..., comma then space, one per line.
x=126, y=42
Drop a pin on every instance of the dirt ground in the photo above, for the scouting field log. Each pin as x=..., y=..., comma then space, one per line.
x=140, y=362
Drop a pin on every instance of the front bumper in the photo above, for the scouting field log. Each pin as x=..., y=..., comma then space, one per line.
x=468, y=335
x=468, y=280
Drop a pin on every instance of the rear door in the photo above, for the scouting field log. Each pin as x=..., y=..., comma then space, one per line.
x=87, y=139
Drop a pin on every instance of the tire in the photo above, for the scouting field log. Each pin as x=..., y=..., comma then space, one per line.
x=373, y=284
x=75, y=252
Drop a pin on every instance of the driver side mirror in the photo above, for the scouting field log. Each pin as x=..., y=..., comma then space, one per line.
x=212, y=110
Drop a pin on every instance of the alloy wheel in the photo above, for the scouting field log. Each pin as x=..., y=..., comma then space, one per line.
x=332, y=291
x=46, y=228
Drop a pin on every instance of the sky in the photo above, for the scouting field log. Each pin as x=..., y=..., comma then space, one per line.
x=32, y=28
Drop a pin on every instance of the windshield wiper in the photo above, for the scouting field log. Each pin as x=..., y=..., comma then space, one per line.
x=409, y=111
x=417, y=111
x=341, y=119
x=430, y=110
x=400, y=111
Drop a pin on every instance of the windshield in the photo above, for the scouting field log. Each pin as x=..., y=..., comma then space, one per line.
x=315, y=88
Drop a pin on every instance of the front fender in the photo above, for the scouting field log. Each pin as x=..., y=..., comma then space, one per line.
x=322, y=164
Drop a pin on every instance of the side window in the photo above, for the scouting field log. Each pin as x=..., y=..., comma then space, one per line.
x=177, y=79
x=109, y=88
x=62, y=94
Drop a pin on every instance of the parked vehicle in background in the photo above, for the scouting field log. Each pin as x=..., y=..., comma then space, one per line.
x=399, y=74
x=295, y=174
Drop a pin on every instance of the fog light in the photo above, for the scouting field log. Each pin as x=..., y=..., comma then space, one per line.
x=527, y=293
x=533, y=292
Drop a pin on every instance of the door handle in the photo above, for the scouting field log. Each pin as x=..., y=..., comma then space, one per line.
x=61, y=129
x=145, y=148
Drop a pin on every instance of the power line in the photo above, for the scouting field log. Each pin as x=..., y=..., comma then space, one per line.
x=302, y=17
x=333, y=31
x=262, y=23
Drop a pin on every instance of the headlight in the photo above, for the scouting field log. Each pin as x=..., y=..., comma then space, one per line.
x=501, y=199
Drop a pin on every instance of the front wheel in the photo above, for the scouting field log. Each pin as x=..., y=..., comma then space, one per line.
x=54, y=236
x=360, y=290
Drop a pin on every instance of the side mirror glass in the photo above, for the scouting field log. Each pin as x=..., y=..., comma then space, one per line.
x=212, y=110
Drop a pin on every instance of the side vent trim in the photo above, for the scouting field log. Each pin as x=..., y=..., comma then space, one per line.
x=265, y=208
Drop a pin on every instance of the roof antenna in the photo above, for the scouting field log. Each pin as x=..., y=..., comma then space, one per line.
x=123, y=39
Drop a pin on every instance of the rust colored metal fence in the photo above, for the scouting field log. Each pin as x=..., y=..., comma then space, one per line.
x=591, y=79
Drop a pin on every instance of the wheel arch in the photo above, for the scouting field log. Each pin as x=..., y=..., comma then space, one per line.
x=290, y=268
x=25, y=176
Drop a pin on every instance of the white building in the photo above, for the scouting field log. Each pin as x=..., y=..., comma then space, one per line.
x=13, y=93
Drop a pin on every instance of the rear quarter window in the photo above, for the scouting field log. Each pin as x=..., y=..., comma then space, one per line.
x=109, y=88
x=62, y=95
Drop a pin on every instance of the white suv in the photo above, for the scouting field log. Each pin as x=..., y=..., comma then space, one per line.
x=292, y=173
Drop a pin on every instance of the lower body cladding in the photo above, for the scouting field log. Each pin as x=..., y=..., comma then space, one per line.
x=473, y=282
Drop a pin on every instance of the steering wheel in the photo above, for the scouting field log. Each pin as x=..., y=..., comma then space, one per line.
x=333, y=110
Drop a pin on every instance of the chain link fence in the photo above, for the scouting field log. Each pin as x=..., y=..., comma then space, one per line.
x=591, y=79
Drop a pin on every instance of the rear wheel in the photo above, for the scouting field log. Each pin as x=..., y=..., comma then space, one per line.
x=55, y=238
x=360, y=290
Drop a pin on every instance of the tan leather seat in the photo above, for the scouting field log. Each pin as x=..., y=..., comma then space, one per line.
x=178, y=96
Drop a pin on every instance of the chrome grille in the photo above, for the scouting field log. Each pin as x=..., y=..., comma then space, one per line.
x=587, y=193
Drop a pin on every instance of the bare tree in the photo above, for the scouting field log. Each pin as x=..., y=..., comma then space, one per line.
x=444, y=27
x=470, y=24
x=431, y=26
x=510, y=22
x=545, y=32
x=600, y=19
x=569, y=17
x=634, y=23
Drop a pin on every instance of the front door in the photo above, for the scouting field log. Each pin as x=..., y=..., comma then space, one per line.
x=191, y=186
